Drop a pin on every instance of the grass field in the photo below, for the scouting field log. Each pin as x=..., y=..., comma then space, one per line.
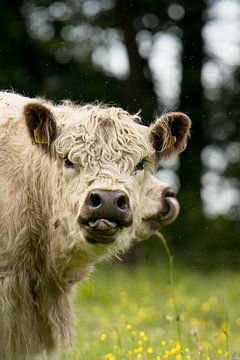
x=126, y=312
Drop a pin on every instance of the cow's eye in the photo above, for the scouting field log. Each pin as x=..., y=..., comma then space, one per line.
x=68, y=163
x=139, y=166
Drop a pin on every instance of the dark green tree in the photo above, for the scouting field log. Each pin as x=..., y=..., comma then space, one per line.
x=193, y=103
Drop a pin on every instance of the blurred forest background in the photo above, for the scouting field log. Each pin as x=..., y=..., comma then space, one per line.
x=153, y=55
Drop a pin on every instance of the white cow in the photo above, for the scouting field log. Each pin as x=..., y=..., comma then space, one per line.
x=76, y=187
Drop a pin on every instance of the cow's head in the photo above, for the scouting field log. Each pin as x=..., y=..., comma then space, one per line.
x=160, y=207
x=105, y=160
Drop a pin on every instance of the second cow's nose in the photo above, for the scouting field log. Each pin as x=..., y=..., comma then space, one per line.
x=106, y=204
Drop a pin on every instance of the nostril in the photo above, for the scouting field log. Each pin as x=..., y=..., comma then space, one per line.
x=94, y=200
x=123, y=202
x=169, y=193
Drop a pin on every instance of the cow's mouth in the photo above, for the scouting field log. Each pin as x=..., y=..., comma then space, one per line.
x=167, y=215
x=100, y=231
x=173, y=208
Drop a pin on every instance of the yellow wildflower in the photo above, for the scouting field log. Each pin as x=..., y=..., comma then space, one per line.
x=150, y=350
x=179, y=357
x=178, y=346
x=109, y=356
x=167, y=353
x=138, y=350
x=174, y=351
x=103, y=337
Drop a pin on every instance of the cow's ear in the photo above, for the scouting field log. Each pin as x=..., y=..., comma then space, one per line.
x=41, y=124
x=169, y=133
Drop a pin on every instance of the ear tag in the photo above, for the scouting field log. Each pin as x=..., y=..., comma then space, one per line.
x=37, y=139
x=174, y=139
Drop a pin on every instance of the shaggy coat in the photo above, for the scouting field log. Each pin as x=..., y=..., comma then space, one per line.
x=51, y=157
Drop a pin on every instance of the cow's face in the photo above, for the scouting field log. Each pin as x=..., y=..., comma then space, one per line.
x=105, y=161
x=159, y=207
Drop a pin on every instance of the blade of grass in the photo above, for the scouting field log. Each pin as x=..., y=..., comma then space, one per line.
x=226, y=332
x=172, y=284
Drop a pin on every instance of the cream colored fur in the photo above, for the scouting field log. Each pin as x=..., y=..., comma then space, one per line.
x=43, y=251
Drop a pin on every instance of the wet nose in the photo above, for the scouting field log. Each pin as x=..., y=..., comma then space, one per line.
x=110, y=205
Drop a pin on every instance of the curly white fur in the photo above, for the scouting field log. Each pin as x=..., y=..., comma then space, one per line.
x=43, y=251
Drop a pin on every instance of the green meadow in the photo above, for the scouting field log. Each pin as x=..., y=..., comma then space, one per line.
x=128, y=312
